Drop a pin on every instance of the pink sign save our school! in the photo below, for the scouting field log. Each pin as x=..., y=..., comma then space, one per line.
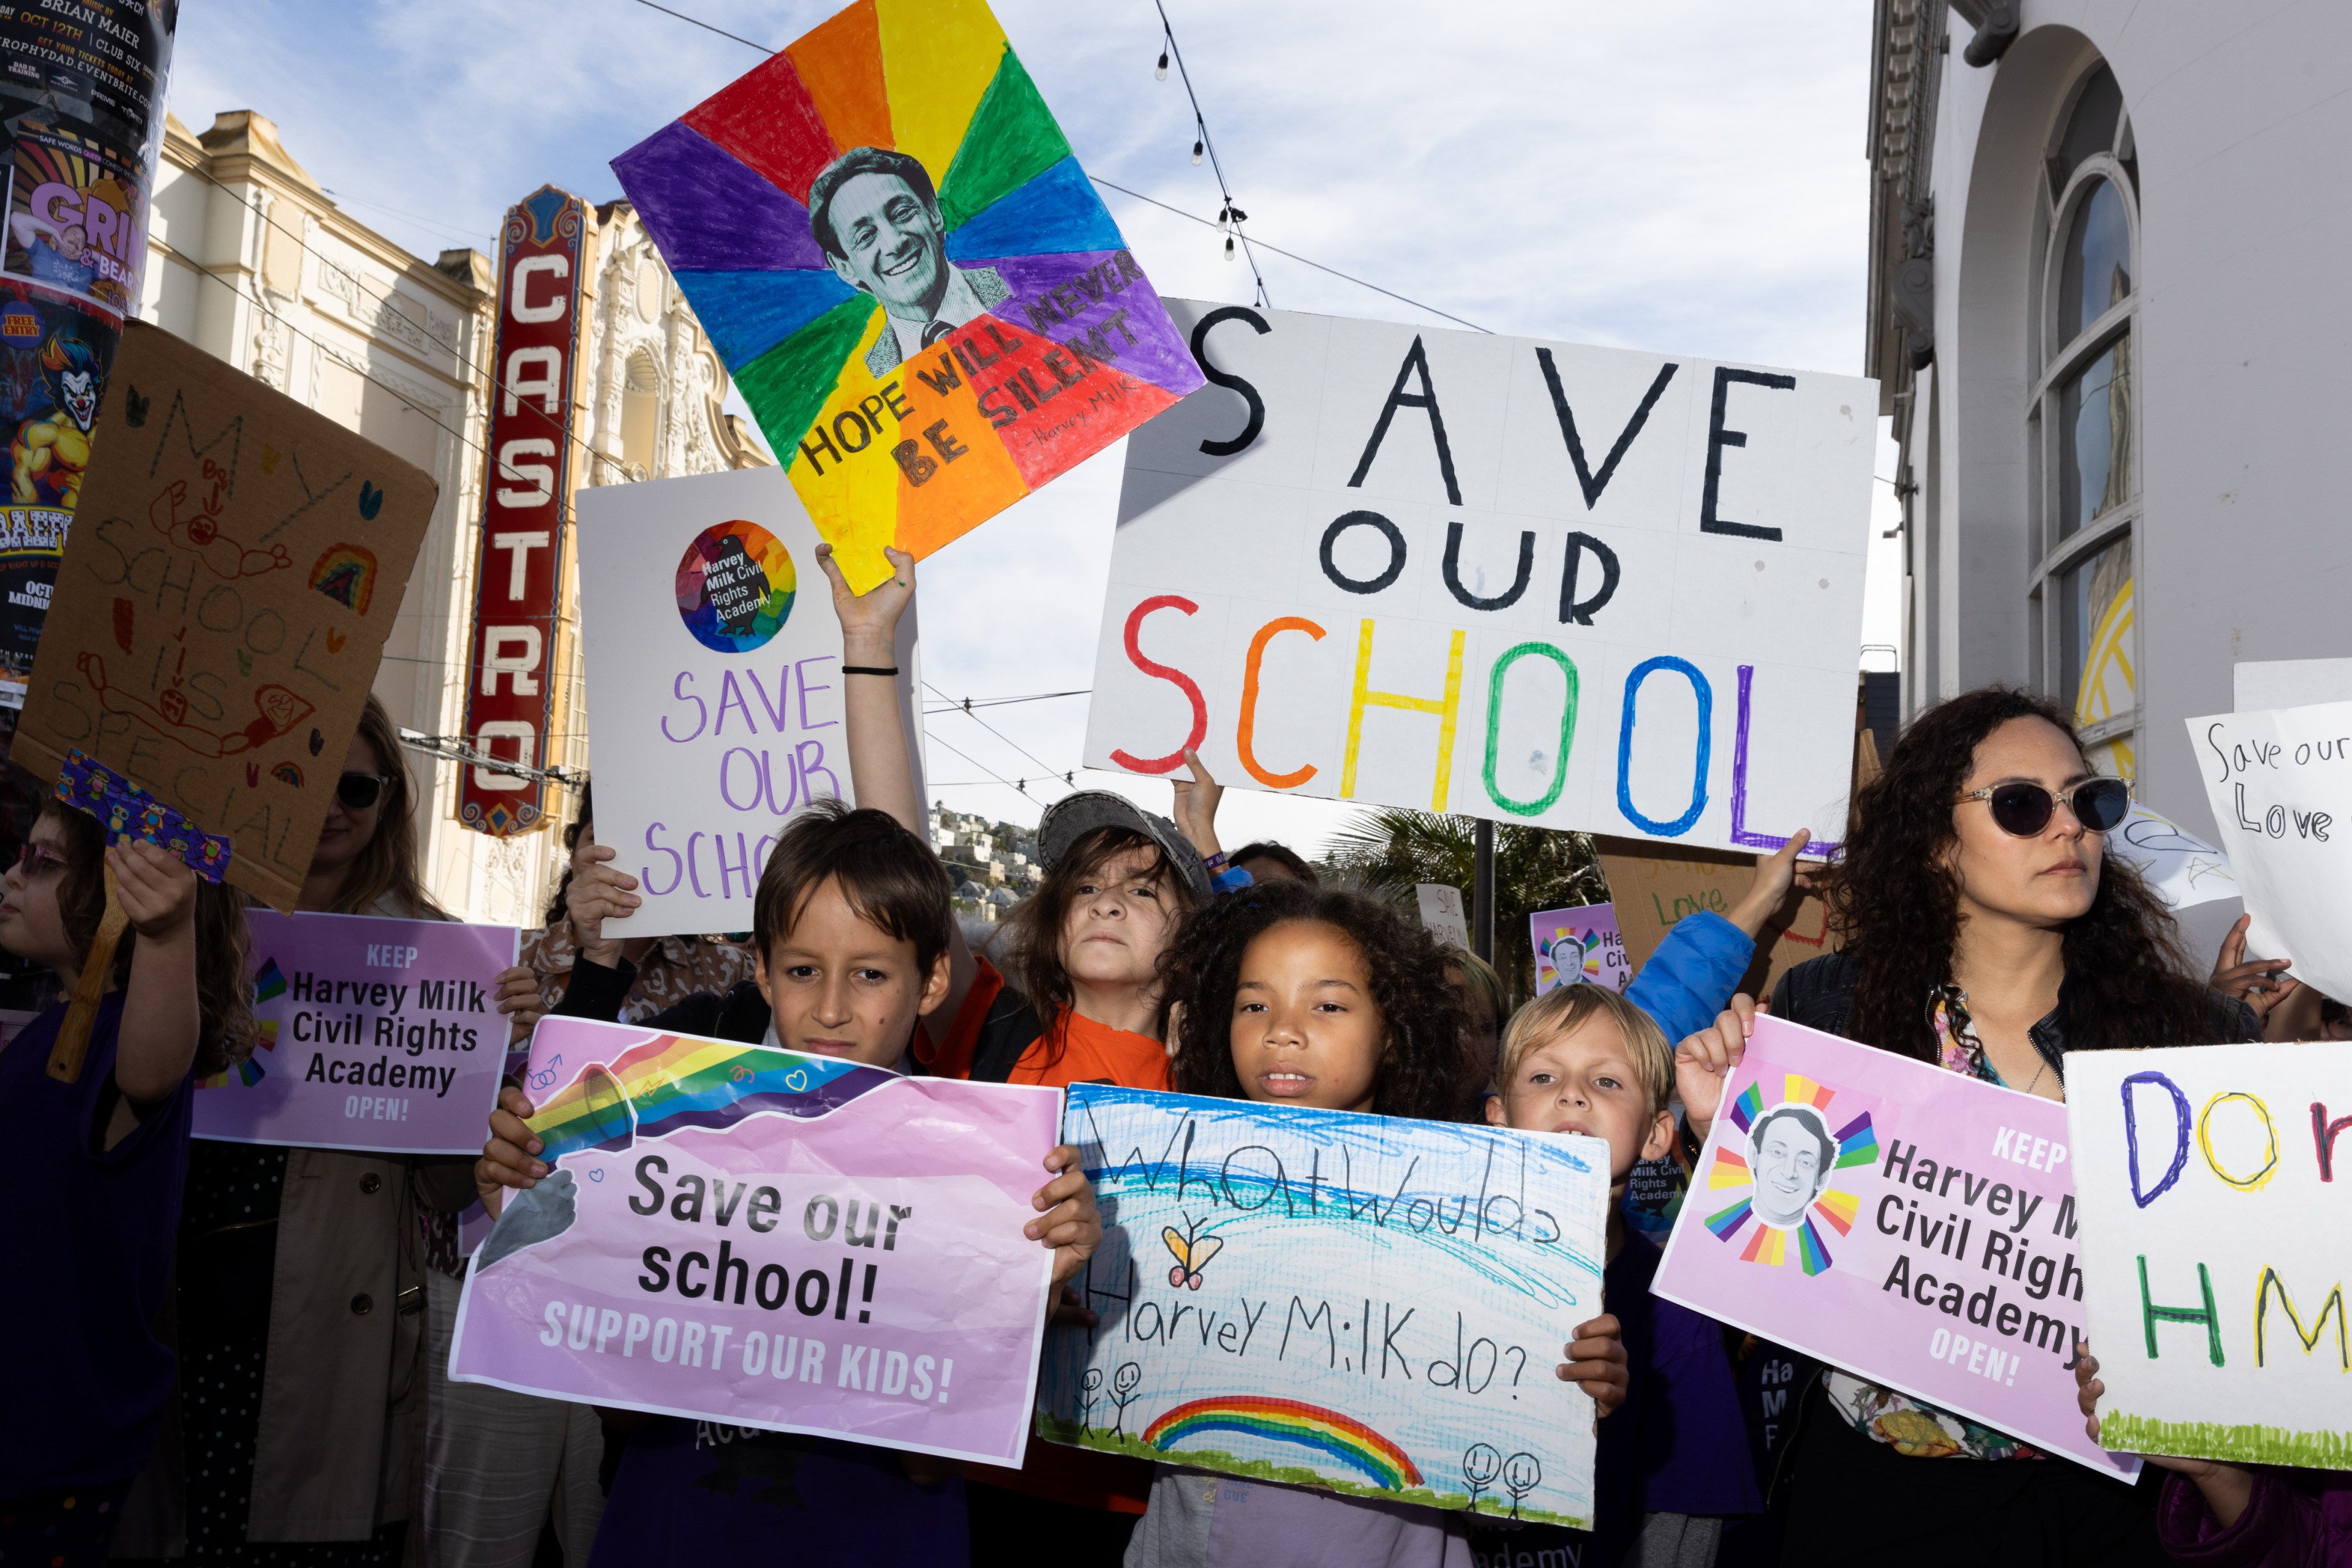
x=769, y=1239
x=1912, y=1225
x=378, y=1035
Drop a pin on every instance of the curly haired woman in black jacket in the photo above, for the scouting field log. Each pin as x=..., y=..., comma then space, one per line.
x=1983, y=930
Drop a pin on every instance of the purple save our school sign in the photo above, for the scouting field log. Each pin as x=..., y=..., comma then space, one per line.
x=1912, y=1225
x=765, y=1238
x=373, y=1034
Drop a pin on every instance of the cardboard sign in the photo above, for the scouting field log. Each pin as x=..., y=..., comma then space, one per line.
x=1913, y=1226
x=1580, y=587
x=1579, y=945
x=2216, y=1250
x=222, y=607
x=2280, y=783
x=769, y=1239
x=2183, y=868
x=917, y=291
x=1650, y=892
x=374, y=1034
x=1365, y=1305
x=714, y=687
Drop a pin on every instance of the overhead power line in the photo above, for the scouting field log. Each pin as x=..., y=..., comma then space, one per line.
x=1248, y=243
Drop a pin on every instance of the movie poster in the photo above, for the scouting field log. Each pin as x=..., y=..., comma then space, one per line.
x=81, y=123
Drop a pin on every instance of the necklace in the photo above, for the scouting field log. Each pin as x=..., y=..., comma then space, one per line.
x=2037, y=1073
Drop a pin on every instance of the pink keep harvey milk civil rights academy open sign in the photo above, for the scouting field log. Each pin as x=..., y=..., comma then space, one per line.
x=1912, y=1225
x=894, y=248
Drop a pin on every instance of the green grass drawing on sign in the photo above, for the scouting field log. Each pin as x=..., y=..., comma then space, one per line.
x=2240, y=1445
x=1496, y=1503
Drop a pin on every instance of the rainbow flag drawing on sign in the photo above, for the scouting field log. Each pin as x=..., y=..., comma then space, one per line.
x=676, y=1080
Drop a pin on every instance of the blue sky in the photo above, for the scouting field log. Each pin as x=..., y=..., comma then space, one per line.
x=1682, y=175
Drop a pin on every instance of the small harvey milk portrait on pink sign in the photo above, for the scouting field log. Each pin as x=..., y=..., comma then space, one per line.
x=1780, y=1187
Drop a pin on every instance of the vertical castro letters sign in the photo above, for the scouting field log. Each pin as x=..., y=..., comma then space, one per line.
x=1581, y=587
x=519, y=571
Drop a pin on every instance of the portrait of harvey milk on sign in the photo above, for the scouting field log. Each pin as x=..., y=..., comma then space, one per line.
x=876, y=218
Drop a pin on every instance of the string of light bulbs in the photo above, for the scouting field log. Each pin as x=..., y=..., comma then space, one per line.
x=1229, y=216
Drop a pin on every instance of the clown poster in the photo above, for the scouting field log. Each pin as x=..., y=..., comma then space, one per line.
x=917, y=291
x=1579, y=946
x=1913, y=1228
x=1370, y=1306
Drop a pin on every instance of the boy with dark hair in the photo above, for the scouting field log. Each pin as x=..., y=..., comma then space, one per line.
x=851, y=924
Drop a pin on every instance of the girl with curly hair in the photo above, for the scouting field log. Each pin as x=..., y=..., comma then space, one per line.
x=1296, y=995
x=1983, y=931
x=93, y=1165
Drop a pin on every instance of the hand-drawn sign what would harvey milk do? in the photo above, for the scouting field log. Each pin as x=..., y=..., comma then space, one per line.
x=1581, y=587
x=922, y=298
x=222, y=605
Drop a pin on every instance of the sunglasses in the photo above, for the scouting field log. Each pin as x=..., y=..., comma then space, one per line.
x=359, y=791
x=2023, y=808
x=34, y=861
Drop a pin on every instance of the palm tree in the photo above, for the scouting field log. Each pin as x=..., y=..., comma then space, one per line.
x=1388, y=851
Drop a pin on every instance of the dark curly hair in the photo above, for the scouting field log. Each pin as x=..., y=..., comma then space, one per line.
x=1895, y=902
x=1426, y=1070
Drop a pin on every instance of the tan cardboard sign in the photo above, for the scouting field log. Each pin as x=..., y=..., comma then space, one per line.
x=222, y=603
x=1651, y=891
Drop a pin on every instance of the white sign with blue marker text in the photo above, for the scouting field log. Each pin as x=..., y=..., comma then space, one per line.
x=1316, y=1298
x=1579, y=588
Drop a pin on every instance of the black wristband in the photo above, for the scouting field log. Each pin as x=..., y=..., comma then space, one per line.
x=869, y=669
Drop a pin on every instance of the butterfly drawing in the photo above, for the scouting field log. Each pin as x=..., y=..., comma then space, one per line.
x=1193, y=1252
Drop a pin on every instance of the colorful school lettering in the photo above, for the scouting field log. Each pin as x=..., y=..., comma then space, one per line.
x=2214, y=1227
x=1326, y=580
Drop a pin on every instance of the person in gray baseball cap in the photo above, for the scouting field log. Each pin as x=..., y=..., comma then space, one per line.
x=1077, y=1002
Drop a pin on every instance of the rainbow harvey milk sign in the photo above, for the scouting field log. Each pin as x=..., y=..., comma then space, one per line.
x=1579, y=946
x=371, y=1034
x=1366, y=1305
x=1914, y=1226
x=769, y=1239
x=920, y=296
x=1584, y=588
x=2217, y=1240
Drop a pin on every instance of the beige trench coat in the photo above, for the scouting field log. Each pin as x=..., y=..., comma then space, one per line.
x=341, y=1451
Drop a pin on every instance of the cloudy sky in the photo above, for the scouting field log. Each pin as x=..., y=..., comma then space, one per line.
x=1681, y=175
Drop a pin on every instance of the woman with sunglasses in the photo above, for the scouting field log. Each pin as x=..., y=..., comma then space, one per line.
x=92, y=1167
x=1983, y=930
x=304, y=1273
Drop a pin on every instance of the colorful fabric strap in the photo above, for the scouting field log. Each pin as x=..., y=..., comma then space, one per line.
x=130, y=812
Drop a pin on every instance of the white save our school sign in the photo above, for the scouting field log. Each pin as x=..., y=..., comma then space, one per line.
x=2216, y=1192
x=1580, y=587
x=714, y=687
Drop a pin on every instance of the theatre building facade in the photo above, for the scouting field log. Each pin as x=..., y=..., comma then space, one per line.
x=253, y=261
x=2105, y=313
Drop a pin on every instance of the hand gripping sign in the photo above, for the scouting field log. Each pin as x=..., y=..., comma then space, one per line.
x=769, y=1239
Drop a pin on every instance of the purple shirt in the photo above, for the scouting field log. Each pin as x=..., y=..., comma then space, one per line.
x=699, y=1494
x=91, y=1231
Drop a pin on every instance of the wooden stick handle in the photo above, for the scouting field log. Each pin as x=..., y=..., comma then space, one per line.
x=73, y=1035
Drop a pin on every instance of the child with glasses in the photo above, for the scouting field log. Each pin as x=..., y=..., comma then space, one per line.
x=92, y=1161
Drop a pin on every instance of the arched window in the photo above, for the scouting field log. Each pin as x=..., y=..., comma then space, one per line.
x=640, y=414
x=2082, y=424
